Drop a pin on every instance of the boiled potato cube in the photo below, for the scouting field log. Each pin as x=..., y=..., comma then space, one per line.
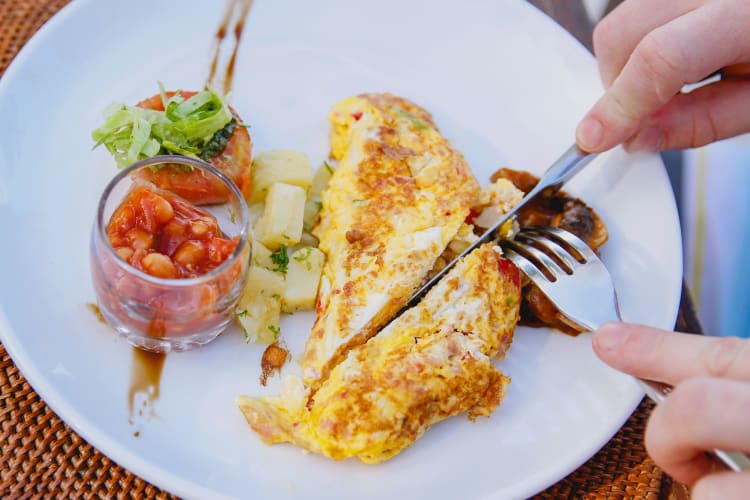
x=302, y=279
x=255, y=212
x=309, y=240
x=312, y=209
x=259, y=308
x=280, y=165
x=321, y=179
x=262, y=255
x=263, y=282
x=282, y=220
x=260, y=320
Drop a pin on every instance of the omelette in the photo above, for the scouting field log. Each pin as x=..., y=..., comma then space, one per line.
x=432, y=362
x=399, y=195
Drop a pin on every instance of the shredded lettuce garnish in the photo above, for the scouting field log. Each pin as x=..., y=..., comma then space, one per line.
x=187, y=127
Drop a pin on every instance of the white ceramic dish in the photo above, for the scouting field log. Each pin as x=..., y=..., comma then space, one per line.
x=505, y=83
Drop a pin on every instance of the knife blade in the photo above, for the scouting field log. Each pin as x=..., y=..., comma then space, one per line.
x=563, y=169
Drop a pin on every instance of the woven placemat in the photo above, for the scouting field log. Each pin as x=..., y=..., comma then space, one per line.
x=43, y=457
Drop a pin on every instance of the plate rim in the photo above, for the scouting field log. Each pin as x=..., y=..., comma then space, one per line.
x=155, y=474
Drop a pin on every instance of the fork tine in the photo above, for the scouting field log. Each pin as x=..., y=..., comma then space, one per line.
x=539, y=259
x=524, y=264
x=567, y=237
x=552, y=247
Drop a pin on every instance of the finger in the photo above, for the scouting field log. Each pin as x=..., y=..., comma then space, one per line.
x=671, y=357
x=700, y=415
x=722, y=485
x=659, y=67
x=621, y=30
x=705, y=115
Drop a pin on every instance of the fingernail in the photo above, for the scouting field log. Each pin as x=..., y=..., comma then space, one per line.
x=589, y=133
x=610, y=336
x=650, y=139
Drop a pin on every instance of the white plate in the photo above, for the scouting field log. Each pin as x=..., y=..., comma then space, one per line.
x=505, y=84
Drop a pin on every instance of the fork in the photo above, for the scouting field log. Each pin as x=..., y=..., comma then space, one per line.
x=571, y=275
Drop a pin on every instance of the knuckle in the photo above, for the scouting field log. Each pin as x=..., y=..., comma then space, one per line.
x=703, y=128
x=706, y=487
x=675, y=417
x=679, y=408
x=621, y=111
x=660, y=64
x=604, y=37
x=657, y=436
x=724, y=357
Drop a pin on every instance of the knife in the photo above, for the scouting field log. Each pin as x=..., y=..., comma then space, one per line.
x=569, y=164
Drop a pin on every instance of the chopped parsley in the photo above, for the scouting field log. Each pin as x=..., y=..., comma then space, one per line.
x=232, y=214
x=246, y=334
x=414, y=120
x=328, y=167
x=280, y=260
x=275, y=330
x=240, y=313
x=276, y=296
x=303, y=255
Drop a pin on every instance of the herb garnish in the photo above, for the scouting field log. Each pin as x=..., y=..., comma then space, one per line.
x=303, y=255
x=275, y=330
x=219, y=141
x=232, y=214
x=186, y=127
x=414, y=120
x=280, y=259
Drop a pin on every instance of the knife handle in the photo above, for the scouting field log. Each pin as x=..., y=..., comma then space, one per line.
x=569, y=164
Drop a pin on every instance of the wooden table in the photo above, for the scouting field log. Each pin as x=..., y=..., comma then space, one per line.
x=43, y=457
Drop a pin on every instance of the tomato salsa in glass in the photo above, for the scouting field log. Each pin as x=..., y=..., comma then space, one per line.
x=168, y=274
x=165, y=236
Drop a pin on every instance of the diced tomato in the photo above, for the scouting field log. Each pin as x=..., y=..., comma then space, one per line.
x=473, y=214
x=165, y=236
x=511, y=272
x=193, y=185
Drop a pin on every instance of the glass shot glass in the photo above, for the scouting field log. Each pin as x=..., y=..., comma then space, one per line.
x=154, y=312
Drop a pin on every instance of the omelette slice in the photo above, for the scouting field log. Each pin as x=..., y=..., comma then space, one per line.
x=433, y=362
x=398, y=196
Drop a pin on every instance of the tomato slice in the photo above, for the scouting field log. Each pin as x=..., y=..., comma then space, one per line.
x=235, y=161
x=166, y=236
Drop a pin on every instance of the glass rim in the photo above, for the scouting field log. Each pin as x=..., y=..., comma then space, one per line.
x=185, y=160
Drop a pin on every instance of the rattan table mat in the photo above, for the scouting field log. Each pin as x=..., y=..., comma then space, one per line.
x=43, y=457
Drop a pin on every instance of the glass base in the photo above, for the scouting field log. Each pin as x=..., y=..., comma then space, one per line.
x=163, y=344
